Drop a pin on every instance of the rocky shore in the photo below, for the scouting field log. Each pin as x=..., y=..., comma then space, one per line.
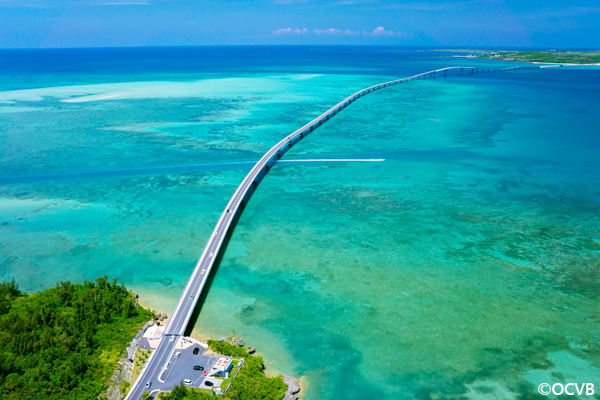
x=293, y=390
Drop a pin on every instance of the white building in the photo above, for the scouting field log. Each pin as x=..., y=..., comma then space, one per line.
x=221, y=367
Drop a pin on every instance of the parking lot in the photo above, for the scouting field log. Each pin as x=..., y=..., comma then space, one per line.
x=180, y=367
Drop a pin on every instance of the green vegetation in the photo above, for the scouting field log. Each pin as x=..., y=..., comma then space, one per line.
x=181, y=392
x=249, y=384
x=64, y=343
x=125, y=386
x=543, y=56
x=550, y=56
x=139, y=360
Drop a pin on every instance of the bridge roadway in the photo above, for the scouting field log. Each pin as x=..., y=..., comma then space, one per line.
x=187, y=302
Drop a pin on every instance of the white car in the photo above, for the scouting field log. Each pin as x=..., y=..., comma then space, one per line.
x=177, y=354
x=187, y=381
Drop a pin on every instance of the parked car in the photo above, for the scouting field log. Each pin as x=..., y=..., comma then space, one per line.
x=208, y=383
x=187, y=381
x=196, y=350
x=198, y=368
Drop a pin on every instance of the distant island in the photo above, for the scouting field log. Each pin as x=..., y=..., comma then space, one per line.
x=537, y=56
x=81, y=341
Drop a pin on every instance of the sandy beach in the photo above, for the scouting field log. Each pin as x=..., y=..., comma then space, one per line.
x=204, y=337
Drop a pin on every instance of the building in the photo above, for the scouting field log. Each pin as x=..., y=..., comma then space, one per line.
x=221, y=367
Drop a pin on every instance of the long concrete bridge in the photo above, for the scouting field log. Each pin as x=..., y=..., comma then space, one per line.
x=182, y=314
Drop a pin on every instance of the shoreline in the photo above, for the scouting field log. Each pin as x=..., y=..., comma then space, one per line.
x=203, y=337
x=556, y=63
x=196, y=333
x=470, y=56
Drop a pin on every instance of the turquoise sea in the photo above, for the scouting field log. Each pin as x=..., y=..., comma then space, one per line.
x=464, y=266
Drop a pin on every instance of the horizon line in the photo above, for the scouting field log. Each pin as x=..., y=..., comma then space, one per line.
x=431, y=47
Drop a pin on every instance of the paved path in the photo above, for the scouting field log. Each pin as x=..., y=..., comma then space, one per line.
x=187, y=302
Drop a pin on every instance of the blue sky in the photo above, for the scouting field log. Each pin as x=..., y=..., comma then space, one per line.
x=494, y=23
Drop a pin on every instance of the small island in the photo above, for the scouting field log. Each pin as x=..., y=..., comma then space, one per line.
x=536, y=56
x=92, y=340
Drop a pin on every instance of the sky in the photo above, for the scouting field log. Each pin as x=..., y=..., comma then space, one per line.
x=445, y=23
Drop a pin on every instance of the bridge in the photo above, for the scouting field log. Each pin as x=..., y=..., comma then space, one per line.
x=217, y=242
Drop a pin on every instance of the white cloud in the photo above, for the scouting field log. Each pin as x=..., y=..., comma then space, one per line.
x=334, y=31
x=290, y=31
x=381, y=31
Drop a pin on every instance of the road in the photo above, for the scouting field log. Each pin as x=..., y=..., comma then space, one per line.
x=187, y=302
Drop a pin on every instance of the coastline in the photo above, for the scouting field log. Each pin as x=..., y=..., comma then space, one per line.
x=196, y=333
x=470, y=56
x=203, y=337
x=556, y=63
x=551, y=57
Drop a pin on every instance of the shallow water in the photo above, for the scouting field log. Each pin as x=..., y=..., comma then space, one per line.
x=466, y=265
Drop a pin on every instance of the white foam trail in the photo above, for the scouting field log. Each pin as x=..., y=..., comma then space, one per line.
x=336, y=160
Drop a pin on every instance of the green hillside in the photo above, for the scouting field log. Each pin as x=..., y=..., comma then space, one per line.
x=64, y=343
